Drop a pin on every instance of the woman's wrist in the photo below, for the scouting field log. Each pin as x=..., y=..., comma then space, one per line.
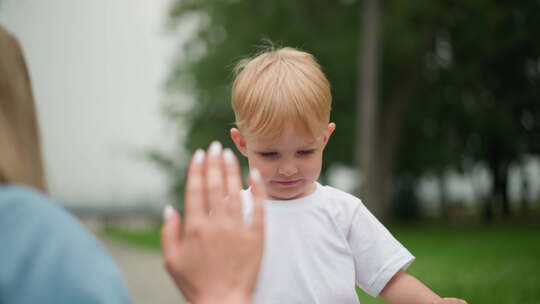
x=225, y=298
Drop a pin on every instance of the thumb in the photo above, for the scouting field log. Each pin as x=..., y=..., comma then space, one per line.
x=170, y=234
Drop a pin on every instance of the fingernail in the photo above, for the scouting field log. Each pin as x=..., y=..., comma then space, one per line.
x=255, y=174
x=167, y=212
x=198, y=157
x=215, y=148
x=228, y=156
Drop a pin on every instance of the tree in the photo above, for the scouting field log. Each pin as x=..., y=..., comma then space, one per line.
x=492, y=87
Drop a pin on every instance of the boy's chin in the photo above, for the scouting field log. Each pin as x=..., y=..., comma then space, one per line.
x=290, y=194
x=283, y=197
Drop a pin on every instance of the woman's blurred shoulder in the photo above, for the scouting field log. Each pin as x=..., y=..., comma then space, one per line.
x=48, y=249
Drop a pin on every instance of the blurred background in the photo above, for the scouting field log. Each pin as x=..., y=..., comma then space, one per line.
x=437, y=106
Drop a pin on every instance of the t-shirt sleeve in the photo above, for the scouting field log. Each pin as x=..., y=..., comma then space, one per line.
x=378, y=256
x=48, y=257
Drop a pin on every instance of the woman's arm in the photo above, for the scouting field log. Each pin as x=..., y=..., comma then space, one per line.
x=406, y=289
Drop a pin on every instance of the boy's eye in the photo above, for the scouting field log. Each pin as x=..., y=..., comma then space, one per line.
x=268, y=154
x=305, y=152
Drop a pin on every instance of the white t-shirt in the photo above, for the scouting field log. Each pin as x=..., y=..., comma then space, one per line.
x=317, y=247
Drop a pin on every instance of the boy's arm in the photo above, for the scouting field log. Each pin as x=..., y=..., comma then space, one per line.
x=405, y=289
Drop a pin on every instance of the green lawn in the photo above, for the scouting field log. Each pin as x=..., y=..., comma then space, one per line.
x=497, y=264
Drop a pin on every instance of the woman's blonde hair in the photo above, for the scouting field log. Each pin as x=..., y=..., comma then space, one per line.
x=20, y=151
x=277, y=87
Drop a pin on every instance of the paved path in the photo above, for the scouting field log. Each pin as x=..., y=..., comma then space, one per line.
x=143, y=270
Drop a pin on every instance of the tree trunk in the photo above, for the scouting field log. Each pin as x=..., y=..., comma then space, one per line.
x=499, y=181
x=379, y=132
x=367, y=111
x=389, y=127
x=443, y=196
x=524, y=191
x=503, y=188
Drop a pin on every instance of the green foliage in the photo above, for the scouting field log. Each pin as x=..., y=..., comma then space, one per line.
x=144, y=238
x=475, y=102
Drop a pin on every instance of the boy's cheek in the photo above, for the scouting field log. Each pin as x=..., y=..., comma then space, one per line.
x=267, y=178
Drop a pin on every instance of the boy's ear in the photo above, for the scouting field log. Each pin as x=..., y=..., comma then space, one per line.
x=239, y=141
x=329, y=130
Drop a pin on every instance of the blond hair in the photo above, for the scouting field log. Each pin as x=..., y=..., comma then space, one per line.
x=277, y=87
x=20, y=151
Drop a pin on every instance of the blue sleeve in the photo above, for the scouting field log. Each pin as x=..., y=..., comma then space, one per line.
x=46, y=256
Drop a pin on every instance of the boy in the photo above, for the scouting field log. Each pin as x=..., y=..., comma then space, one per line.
x=319, y=241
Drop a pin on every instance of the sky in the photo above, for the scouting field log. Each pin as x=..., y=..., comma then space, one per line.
x=98, y=69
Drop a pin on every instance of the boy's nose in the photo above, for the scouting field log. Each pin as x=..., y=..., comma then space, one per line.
x=288, y=169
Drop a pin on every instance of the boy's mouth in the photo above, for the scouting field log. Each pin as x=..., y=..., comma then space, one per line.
x=288, y=183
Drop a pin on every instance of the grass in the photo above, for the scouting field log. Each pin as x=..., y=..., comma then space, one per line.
x=146, y=238
x=482, y=264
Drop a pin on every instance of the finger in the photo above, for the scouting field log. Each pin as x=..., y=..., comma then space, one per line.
x=234, y=184
x=170, y=236
x=194, y=198
x=215, y=185
x=259, y=196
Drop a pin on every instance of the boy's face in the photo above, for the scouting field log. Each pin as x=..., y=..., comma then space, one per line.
x=289, y=165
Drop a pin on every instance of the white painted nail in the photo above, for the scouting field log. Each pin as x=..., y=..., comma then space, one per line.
x=167, y=212
x=228, y=156
x=255, y=174
x=198, y=157
x=215, y=148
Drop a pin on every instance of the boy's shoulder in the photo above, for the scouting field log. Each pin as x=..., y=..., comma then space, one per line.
x=340, y=200
x=338, y=196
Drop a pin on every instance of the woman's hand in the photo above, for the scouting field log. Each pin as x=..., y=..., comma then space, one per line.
x=212, y=254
